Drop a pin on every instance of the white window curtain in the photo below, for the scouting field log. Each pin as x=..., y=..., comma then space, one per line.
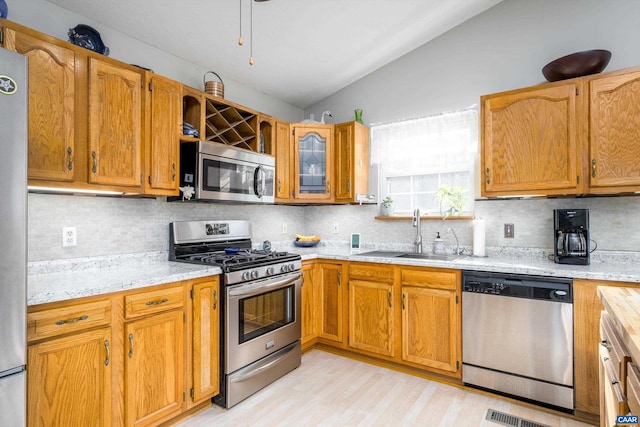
x=415, y=157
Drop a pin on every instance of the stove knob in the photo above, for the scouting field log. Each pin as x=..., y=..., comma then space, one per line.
x=254, y=274
x=246, y=275
x=284, y=268
x=292, y=267
x=270, y=271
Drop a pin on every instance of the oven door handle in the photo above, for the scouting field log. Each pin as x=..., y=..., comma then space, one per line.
x=242, y=291
x=256, y=371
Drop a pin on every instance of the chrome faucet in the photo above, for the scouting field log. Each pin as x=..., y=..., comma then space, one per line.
x=450, y=230
x=416, y=223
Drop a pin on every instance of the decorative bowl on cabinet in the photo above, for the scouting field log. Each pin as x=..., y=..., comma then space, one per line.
x=577, y=64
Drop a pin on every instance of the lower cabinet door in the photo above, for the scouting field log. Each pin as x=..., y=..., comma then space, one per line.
x=154, y=368
x=69, y=380
x=205, y=341
x=430, y=328
x=371, y=317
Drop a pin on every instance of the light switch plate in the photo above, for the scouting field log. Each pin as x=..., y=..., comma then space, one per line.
x=508, y=231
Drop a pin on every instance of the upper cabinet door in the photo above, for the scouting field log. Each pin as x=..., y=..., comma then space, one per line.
x=614, y=136
x=51, y=83
x=165, y=108
x=529, y=141
x=344, y=162
x=283, y=162
x=312, y=164
x=115, y=125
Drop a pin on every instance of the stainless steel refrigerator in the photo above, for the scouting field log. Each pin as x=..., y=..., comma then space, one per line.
x=13, y=237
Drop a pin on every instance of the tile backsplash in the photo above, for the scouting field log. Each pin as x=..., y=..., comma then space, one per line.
x=114, y=225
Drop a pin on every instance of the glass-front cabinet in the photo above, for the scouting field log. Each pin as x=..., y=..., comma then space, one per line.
x=312, y=164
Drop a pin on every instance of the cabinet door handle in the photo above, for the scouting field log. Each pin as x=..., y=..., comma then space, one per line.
x=70, y=153
x=158, y=302
x=215, y=299
x=593, y=168
x=487, y=172
x=339, y=278
x=74, y=320
x=173, y=172
x=106, y=346
x=404, y=296
x=389, y=298
x=94, y=169
x=348, y=185
x=279, y=185
x=130, y=345
x=328, y=189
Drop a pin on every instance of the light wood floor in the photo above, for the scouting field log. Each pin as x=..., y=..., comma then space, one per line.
x=331, y=390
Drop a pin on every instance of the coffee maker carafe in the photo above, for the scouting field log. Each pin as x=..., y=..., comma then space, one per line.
x=571, y=238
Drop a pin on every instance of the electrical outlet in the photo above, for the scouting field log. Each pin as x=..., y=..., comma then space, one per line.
x=508, y=231
x=284, y=228
x=335, y=228
x=69, y=236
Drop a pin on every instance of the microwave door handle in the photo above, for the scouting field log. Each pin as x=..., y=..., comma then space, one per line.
x=257, y=178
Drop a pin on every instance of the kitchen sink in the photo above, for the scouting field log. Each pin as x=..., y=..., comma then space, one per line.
x=411, y=255
x=431, y=256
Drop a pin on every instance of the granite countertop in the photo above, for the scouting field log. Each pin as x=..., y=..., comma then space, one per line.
x=612, y=271
x=51, y=281
x=623, y=306
x=60, y=280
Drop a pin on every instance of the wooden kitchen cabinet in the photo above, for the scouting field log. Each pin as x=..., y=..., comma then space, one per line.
x=115, y=124
x=284, y=157
x=69, y=365
x=164, y=105
x=530, y=141
x=614, y=126
x=204, y=360
x=309, y=305
x=154, y=363
x=351, y=161
x=330, y=298
x=431, y=319
x=371, y=309
x=52, y=142
x=577, y=136
x=312, y=162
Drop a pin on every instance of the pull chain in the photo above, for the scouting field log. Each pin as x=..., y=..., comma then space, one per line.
x=240, y=37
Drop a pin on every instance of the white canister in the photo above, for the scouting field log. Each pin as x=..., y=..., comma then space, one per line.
x=479, y=231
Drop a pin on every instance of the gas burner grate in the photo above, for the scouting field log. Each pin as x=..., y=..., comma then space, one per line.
x=511, y=420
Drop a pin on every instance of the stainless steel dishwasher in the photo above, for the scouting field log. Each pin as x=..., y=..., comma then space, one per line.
x=517, y=336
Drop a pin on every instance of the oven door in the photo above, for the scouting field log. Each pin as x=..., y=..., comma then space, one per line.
x=223, y=178
x=262, y=317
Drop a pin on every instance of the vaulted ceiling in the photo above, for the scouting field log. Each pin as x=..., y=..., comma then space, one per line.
x=303, y=50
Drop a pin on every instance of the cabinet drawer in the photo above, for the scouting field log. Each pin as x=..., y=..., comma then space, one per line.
x=617, y=352
x=440, y=279
x=144, y=303
x=371, y=272
x=633, y=388
x=67, y=319
x=615, y=401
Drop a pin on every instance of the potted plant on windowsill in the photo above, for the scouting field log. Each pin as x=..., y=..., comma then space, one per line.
x=386, y=206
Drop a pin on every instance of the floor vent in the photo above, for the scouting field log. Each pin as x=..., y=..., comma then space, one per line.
x=510, y=420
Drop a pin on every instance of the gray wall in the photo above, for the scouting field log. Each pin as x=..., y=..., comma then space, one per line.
x=56, y=21
x=501, y=49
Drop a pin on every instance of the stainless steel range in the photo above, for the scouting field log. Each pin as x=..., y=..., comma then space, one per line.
x=260, y=313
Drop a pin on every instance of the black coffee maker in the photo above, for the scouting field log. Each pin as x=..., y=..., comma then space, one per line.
x=571, y=236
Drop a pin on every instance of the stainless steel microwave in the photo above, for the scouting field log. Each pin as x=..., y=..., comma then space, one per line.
x=220, y=173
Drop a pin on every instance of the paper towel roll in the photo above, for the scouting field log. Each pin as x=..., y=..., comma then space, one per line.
x=478, y=237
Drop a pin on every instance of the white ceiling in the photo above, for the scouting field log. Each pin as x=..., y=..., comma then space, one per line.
x=303, y=50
